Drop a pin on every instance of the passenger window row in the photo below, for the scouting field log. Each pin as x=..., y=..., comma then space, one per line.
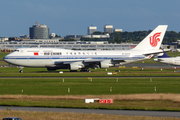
x=70, y=53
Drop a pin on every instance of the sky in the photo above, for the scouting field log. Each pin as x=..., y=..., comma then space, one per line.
x=72, y=17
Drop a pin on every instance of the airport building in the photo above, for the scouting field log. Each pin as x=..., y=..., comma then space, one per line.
x=24, y=36
x=117, y=30
x=108, y=28
x=3, y=39
x=53, y=35
x=97, y=36
x=78, y=45
x=39, y=31
x=82, y=45
x=75, y=37
x=91, y=30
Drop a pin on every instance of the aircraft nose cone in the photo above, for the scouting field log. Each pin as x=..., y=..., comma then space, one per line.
x=5, y=58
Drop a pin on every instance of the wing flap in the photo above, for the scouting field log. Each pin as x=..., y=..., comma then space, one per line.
x=92, y=61
x=65, y=62
x=84, y=61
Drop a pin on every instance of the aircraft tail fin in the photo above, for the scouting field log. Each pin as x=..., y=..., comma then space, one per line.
x=164, y=56
x=153, y=40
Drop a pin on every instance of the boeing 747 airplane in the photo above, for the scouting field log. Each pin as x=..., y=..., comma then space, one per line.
x=168, y=60
x=56, y=58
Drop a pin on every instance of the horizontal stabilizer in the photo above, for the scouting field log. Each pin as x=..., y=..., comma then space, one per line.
x=164, y=56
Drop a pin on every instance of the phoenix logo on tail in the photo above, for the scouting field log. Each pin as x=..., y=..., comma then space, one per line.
x=154, y=39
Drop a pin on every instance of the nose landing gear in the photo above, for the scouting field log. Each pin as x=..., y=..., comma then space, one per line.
x=21, y=69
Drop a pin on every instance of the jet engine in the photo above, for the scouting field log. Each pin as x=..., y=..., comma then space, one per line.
x=75, y=66
x=105, y=64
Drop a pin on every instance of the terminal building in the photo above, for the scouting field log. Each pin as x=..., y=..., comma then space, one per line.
x=39, y=31
x=97, y=36
x=75, y=45
x=78, y=45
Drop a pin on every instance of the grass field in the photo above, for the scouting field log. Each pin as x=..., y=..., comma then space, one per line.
x=125, y=72
x=84, y=86
x=147, y=93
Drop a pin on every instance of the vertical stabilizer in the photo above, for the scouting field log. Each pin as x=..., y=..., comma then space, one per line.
x=164, y=56
x=153, y=40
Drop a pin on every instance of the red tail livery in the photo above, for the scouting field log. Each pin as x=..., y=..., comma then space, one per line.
x=154, y=39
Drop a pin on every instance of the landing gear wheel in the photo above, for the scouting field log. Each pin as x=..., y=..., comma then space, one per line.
x=85, y=70
x=21, y=69
x=73, y=70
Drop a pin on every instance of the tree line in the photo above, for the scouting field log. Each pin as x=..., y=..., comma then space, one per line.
x=136, y=36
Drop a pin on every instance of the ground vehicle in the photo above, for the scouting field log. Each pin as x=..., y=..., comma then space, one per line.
x=11, y=118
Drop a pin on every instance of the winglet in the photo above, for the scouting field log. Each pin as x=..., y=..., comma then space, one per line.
x=153, y=40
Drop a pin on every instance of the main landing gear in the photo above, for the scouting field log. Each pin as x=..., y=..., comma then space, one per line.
x=21, y=69
x=85, y=70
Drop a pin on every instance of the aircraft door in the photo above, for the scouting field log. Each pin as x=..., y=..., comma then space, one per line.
x=171, y=62
x=50, y=59
x=27, y=58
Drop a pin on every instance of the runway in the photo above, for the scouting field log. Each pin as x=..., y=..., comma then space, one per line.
x=98, y=111
x=95, y=77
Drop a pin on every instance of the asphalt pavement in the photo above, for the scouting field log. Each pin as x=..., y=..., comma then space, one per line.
x=98, y=111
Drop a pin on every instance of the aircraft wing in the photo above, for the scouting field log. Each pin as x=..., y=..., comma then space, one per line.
x=66, y=62
x=96, y=61
x=84, y=61
x=153, y=52
x=131, y=58
x=92, y=60
x=119, y=60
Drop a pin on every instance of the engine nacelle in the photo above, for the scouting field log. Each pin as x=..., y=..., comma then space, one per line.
x=75, y=66
x=105, y=64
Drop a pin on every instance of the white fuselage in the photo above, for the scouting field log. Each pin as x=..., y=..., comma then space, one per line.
x=170, y=60
x=47, y=57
